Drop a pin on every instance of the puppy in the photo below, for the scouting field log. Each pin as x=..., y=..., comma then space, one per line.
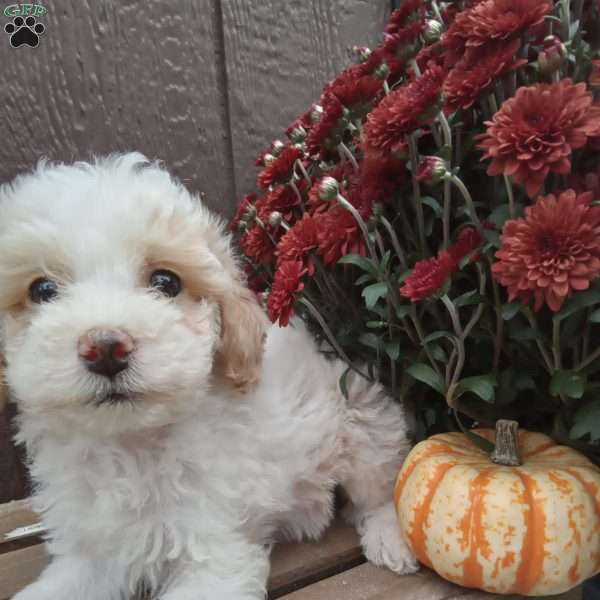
x=172, y=436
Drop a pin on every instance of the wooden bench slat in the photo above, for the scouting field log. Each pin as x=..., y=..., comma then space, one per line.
x=367, y=582
x=14, y=515
x=20, y=567
x=292, y=566
x=297, y=565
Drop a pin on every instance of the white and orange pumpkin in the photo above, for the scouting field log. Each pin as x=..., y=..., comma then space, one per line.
x=532, y=529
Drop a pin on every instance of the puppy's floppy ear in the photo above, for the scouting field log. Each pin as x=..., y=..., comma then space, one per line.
x=243, y=322
x=243, y=325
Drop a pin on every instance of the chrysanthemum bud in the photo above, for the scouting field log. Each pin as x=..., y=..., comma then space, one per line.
x=275, y=218
x=242, y=226
x=433, y=31
x=552, y=56
x=277, y=147
x=249, y=215
x=315, y=113
x=361, y=53
x=381, y=72
x=268, y=158
x=431, y=170
x=328, y=188
x=298, y=135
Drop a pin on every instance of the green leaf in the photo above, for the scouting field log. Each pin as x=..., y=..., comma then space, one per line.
x=510, y=310
x=482, y=385
x=433, y=204
x=425, y=374
x=374, y=292
x=468, y=299
x=595, y=317
x=577, y=302
x=587, y=421
x=493, y=237
x=402, y=310
x=438, y=353
x=567, y=383
x=363, y=279
x=359, y=261
x=523, y=334
x=376, y=324
x=392, y=349
x=343, y=383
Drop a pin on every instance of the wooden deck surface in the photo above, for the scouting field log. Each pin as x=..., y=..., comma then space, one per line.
x=330, y=569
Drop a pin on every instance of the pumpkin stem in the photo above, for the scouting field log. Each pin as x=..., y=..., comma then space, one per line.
x=506, y=451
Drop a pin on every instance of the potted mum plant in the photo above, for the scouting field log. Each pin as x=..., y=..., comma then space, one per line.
x=435, y=217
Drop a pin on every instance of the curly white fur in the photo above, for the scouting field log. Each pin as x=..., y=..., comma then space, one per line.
x=183, y=488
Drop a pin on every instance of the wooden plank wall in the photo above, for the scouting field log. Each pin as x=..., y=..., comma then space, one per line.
x=202, y=84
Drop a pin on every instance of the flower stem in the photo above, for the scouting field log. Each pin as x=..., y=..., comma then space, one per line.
x=469, y=200
x=417, y=325
x=556, y=344
x=303, y=170
x=412, y=145
x=343, y=149
x=447, y=133
x=499, y=324
x=361, y=223
x=296, y=191
x=395, y=242
x=541, y=347
x=386, y=87
x=588, y=360
x=436, y=11
x=330, y=337
x=511, y=196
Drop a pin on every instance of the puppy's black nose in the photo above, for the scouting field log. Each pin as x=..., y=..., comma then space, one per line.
x=106, y=352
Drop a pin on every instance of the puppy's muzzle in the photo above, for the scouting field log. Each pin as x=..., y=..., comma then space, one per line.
x=106, y=351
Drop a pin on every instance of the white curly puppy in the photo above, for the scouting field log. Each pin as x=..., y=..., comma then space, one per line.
x=169, y=443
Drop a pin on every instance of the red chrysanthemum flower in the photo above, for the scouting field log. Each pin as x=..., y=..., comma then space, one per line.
x=282, y=199
x=430, y=55
x=404, y=110
x=257, y=282
x=381, y=175
x=287, y=283
x=280, y=169
x=339, y=234
x=318, y=138
x=535, y=132
x=404, y=44
x=354, y=87
x=473, y=74
x=247, y=201
x=552, y=252
x=493, y=20
x=467, y=241
x=594, y=79
x=428, y=277
x=258, y=245
x=303, y=122
x=298, y=242
x=410, y=10
x=343, y=173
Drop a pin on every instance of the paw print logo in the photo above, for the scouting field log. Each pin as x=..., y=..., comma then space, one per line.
x=24, y=31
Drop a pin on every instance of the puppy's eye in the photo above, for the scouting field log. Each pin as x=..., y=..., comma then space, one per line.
x=43, y=290
x=166, y=282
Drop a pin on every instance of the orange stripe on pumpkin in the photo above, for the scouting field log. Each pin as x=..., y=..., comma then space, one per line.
x=540, y=449
x=531, y=565
x=594, y=491
x=417, y=536
x=407, y=470
x=473, y=532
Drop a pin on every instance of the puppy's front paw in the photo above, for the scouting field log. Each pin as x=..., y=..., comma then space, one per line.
x=382, y=542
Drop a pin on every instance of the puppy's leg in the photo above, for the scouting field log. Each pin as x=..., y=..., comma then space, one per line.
x=234, y=572
x=72, y=578
x=376, y=445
